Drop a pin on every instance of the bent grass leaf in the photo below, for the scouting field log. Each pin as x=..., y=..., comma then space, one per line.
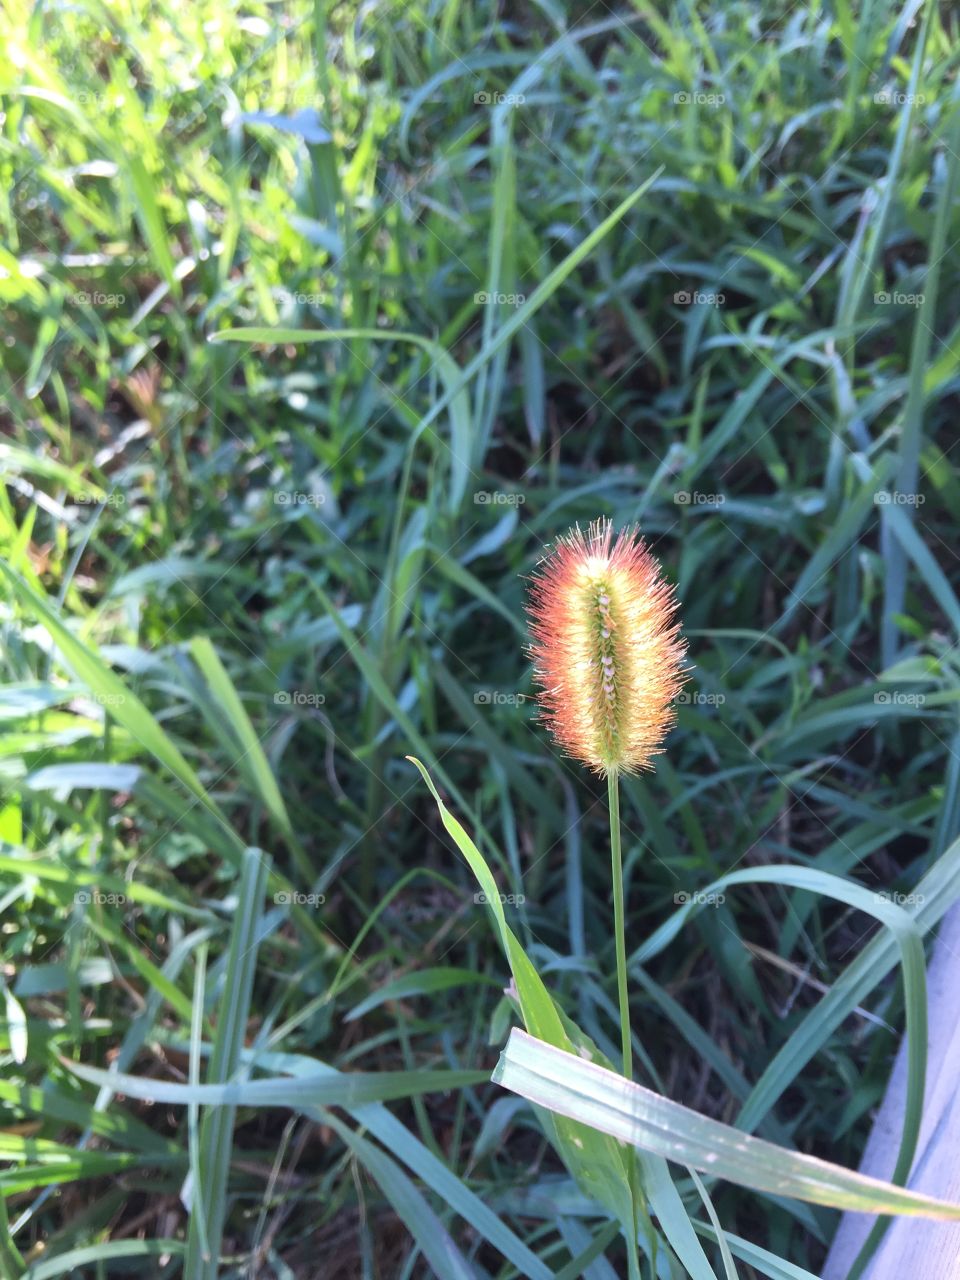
x=908, y=937
x=69, y=1263
x=599, y=1166
x=409, y=1205
x=375, y=1119
x=594, y=1096
x=352, y=1089
x=597, y=1163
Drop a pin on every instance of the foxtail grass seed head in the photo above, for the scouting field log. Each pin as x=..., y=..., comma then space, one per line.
x=607, y=653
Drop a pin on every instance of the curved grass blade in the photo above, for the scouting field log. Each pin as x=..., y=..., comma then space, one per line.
x=69, y=1263
x=935, y=893
x=422, y=982
x=216, y=1134
x=397, y=1138
x=909, y=940
x=761, y=1260
x=411, y=1208
x=592, y=1095
x=599, y=1168
x=349, y=1089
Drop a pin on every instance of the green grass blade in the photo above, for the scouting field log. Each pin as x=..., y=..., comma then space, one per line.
x=125, y=707
x=203, y=1243
x=590, y=1094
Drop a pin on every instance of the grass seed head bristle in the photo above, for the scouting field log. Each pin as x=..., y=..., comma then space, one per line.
x=607, y=654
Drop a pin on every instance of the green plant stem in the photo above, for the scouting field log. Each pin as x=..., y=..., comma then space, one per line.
x=616, y=858
x=613, y=793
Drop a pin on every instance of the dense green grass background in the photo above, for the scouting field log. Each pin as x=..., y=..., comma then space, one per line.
x=246, y=578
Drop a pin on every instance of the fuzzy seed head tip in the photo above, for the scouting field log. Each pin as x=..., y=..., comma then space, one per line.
x=607, y=653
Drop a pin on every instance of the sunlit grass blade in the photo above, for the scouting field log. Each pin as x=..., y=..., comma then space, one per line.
x=355, y=1088
x=209, y=1200
x=903, y=928
x=124, y=705
x=251, y=759
x=588, y=1093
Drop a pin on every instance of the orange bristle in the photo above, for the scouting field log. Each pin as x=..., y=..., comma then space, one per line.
x=606, y=652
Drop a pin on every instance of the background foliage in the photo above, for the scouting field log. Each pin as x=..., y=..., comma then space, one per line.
x=246, y=578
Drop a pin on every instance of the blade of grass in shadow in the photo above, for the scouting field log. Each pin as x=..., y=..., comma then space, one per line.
x=252, y=761
x=378, y=687
x=911, y=434
x=408, y=1204
x=762, y=1260
x=910, y=545
x=75, y=1261
x=375, y=1118
x=589, y=1262
x=727, y=1258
